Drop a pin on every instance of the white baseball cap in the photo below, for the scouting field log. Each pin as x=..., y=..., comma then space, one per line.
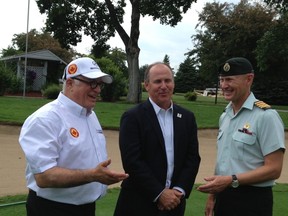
x=86, y=67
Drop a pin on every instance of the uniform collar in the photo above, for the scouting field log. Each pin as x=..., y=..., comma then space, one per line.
x=248, y=104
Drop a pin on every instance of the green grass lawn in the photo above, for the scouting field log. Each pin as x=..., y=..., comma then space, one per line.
x=15, y=110
x=105, y=206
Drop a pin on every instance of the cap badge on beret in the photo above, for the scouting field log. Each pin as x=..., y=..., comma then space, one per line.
x=72, y=69
x=226, y=67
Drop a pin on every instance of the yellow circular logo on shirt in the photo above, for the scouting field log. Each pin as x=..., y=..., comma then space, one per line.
x=74, y=132
x=247, y=126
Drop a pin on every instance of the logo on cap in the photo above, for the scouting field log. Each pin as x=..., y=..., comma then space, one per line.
x=72, y=69
x=226, y=67
x=74, y=132
x=94, y=63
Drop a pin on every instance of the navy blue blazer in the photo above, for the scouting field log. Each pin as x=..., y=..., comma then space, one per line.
x=143, y=151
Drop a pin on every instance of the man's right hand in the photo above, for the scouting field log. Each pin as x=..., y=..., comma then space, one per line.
x=106, y=176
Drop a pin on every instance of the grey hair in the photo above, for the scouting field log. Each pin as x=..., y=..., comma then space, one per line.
x=63, y=86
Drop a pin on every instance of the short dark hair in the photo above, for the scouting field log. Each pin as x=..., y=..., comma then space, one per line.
x=147, y=71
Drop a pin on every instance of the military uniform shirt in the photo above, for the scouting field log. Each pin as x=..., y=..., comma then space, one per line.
x=246, y=137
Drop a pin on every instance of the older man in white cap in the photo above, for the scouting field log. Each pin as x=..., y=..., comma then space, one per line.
x=67, y=164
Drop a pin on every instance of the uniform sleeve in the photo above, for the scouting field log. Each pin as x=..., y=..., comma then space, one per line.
x=271, y=132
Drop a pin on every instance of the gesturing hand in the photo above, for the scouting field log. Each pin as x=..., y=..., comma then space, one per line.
x=106, y=176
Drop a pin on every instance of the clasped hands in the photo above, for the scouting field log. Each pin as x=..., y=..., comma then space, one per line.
x=169, y=199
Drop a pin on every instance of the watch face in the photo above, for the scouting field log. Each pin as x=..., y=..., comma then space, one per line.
x=235, y=183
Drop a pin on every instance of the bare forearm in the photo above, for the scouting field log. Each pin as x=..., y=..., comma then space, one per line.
x=58, y=177
x=269, y=171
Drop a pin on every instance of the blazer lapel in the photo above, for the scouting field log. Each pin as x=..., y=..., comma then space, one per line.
x=177, y=124
x=151, y=115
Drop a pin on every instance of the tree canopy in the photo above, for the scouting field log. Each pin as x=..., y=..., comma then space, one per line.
x=37, y=41
x=281, y=5
x=102, y=19
x=272, y=48
x=187, y=77
x=250, y=30
x=228, y=30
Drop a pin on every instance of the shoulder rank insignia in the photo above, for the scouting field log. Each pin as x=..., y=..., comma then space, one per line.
x=262, y=105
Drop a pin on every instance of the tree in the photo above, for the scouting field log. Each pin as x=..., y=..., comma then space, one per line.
x=9, y=51
x=41, y=40
x=272, y=48
x=117, y=88
x=281, y=5
x=142, y=70
x=166, y=59
x=272, y=60
x=5, y=78
x=229, y=30
x=38, y=41
x=101, y=19
x=99, y=50
x=118, y=56
x=186, y=77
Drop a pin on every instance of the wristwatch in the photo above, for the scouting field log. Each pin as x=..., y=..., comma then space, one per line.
x=235, y=182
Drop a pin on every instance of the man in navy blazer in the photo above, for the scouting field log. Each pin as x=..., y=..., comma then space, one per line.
x=159, y=149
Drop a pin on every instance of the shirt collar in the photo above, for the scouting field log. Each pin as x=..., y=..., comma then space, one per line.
x=73, y=106
x=157, y=108
x=248, y=104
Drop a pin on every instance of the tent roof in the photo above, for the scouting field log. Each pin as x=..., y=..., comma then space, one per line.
x=38, y=54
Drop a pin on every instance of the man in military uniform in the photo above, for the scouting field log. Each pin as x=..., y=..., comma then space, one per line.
x=250, y=148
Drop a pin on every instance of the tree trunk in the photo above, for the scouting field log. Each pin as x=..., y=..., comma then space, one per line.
x=132, y=51
x=134, y=90
x=132, y=48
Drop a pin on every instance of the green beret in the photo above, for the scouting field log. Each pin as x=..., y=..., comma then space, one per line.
x=235, y=66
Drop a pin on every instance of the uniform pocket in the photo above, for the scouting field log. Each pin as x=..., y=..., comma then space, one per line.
x=244, y=138
x=241, y=143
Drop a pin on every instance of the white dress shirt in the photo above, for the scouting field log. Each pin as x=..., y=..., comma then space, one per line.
x=64, y=134
x=165, y=119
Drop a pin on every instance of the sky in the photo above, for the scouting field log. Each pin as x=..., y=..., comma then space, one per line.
x=155, y=40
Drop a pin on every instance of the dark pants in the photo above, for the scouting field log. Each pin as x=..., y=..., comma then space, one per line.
x=37, y=206
x=245, y=200
x=133, y=203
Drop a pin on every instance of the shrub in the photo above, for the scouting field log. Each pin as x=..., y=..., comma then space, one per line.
x=15, y=85
x=113, y=91
x=143, y=87
x=5, y=78
x=52, y=91
x=191, y=96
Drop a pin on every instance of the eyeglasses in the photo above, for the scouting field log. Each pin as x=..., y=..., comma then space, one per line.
x=93, y=84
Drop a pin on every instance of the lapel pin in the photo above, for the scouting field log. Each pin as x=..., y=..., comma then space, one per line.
x=179, y=115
